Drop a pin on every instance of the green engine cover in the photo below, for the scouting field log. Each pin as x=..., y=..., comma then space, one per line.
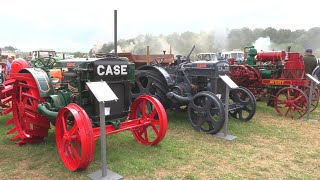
x=266, y=73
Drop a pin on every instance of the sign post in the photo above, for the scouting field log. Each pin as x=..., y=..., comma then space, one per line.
x=229, y=84
x=103, y=93
x=313, y=81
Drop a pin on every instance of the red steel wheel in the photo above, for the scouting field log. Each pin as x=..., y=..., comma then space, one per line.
x=149, y=109
x=292, y=102
x=30, y=125
x=74, y=137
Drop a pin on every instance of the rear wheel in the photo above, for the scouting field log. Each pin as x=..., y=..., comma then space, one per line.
x=28, y=123
x=315, y=96
x=292, y=102
x=242, y=104
x=149, y=83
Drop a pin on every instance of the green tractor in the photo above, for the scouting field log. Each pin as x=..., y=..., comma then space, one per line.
x=68, y=104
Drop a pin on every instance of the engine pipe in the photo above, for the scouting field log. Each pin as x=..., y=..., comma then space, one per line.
x=178, y=98
x=115, y=34
x=42, y=109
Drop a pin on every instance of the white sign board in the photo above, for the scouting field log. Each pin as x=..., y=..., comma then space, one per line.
x=102, y=91
x=229, y=82
x=310, y=77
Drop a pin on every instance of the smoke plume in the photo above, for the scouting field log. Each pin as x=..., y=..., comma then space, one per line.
x=263, y=44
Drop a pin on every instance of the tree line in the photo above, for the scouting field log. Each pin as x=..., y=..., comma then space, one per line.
x=181, y=43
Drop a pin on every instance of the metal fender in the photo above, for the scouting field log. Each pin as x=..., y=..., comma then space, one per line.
x=44, y=85
x=161, y=71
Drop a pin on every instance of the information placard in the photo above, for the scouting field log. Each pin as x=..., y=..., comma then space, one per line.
x=229, y=82
x=310, y=77
x=102, y=91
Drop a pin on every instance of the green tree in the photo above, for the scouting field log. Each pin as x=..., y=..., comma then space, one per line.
x=107, y=48
x=9, y=48
x=79, y=54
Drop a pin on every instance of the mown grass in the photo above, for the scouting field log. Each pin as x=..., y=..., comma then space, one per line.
x=267, y=147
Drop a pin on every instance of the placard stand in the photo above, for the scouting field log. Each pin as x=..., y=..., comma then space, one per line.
x=229, y=84
x=103, y=93
x=313, y=81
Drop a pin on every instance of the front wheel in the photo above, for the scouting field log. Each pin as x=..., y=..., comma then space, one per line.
x=206, y=113
x=74, y=137
x=149, y=110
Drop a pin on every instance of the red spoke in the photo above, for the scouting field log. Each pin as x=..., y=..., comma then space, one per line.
x=63, y=123
x=73, y=130
x=140, y=131
x=146, y=134
x=75, y=153
x=287, y=111
x=140, y=108
x=298, y=107
x=296, y=99
x=299, y=112
x=288, y=93
x=155, y=129
x=155, y=121
x=144, y=103
x=283, y=101
x=153, y=113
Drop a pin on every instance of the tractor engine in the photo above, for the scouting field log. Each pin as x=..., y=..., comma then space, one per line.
x=195, y=77
x=117, y=72
x=269, y=63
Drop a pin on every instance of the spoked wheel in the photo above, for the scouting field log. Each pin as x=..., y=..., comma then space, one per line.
x=206, y=113
x=242, y=104
x=315, y=96
x=6, y=91
x=74, y=137
x=292, y=102
x=149, y=110
x=28, y=123
x=150, y=83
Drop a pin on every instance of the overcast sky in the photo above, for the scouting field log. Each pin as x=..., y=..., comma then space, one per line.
x=76, y=25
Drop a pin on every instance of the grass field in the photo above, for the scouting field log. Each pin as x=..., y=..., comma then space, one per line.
x=267, y=147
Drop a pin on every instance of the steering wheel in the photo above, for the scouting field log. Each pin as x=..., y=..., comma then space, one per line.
x=44, y=62
x=157, y=61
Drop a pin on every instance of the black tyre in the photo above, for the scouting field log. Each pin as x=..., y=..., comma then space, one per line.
x=206, y=113
x=149, y=83
x=242, y=104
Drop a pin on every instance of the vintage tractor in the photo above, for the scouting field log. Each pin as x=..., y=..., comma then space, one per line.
x=280, y=76
x=73, y=109
x=197, y=87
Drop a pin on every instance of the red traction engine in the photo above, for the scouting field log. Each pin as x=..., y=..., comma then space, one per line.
x=279, y=75
x=72, y=108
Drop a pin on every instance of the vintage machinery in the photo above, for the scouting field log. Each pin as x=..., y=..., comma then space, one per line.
x=277, y=74
x=197, y=87
x=72, y=108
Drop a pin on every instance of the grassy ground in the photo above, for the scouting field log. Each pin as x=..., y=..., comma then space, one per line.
x=267, y=147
